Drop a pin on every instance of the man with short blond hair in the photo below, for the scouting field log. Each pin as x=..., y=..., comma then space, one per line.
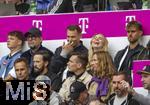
x=15, y=43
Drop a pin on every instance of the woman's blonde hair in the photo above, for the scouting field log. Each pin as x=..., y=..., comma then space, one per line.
x=106, y=67
x=104, y=48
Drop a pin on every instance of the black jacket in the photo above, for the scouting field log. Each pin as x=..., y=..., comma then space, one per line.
x=129, y=100
x=138, y=53
x=59, y=63
x=29, y=54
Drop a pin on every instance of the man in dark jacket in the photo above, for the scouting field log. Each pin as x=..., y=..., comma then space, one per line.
x=34, y=39
x=61, y=56
x=134, y=51
x=120, y=95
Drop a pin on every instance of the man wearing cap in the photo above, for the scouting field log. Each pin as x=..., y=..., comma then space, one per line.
x=34, y=39
x=143, y=100
x=79, y=94
x=43, y=94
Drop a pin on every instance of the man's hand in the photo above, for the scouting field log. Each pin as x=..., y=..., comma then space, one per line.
x=126, y=85
x=67, y=48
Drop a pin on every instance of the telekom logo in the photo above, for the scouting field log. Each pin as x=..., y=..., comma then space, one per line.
x=83, y=24
x=37, y=24
x=130, y=18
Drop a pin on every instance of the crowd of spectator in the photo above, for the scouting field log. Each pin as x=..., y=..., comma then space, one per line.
x=75, y=75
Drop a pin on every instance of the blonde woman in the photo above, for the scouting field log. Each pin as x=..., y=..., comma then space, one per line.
x=98, y=43
x=102, y=71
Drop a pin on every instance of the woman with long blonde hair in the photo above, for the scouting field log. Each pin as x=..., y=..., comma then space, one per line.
x=101, y=67
x=97, y=43
x=102, y=71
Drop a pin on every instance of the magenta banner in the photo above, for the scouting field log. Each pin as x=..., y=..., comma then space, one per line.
x=138, y=65
x=111, y=24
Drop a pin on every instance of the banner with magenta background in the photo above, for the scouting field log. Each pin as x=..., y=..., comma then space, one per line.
x=138, y=65
x=111, y=24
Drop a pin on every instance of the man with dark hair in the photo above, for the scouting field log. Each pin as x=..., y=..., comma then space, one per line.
x=61, y=56
x=34, y=39
x=22, y=69
x=134, y=51
x=15, y=43
x=120, y=95
x=79, y=94
x=62, y=53
x=77, y=64
x=40, y=64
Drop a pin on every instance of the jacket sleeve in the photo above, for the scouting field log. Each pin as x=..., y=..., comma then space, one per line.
x=144, y=100
x=58, y=62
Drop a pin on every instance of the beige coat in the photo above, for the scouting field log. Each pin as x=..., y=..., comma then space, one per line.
x=64, y=91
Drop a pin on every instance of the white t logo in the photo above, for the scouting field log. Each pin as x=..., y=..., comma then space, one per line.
x=37, y=24
x=84, y=24
x=129, y=19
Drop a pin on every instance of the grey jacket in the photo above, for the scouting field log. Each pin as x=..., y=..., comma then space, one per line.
x=53, y=100
x=143, y=100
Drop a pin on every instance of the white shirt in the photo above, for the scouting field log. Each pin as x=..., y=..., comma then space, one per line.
x=119, y=100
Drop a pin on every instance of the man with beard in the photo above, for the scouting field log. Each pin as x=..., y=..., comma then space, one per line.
x=143, y=100
x=134, y=51
x=120, y=95
x=40, y=65
x=34, y=39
